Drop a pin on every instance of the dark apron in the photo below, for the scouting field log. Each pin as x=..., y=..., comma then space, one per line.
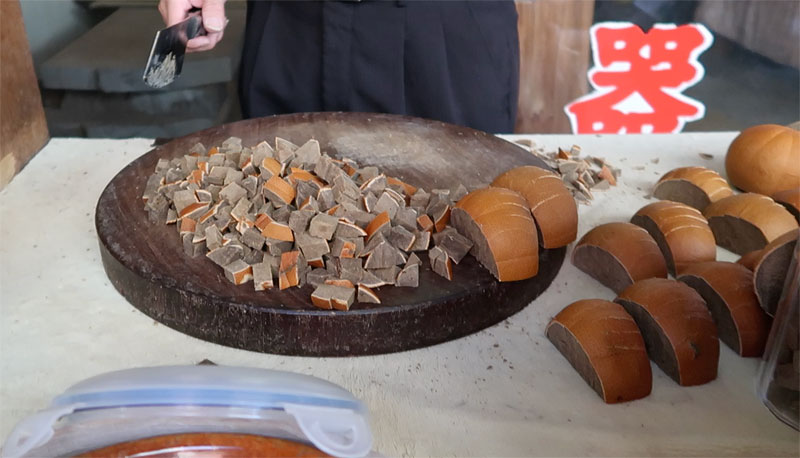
x=455, y=61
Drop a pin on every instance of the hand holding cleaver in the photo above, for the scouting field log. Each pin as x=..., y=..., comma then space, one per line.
x=170, y=45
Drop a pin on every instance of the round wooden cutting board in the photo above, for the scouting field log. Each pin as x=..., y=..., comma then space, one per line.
x=146, y=262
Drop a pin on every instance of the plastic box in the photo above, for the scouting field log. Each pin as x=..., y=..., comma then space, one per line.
x=129, y=405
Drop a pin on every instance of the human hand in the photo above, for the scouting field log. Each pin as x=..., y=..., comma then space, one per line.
x=214, y=21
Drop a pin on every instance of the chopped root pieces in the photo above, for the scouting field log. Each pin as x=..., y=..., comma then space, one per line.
x=188, y=226
x=440, y=262
x=407, y=188
x=339, y=282
x=367, y=295
x=333, y=297
x=454, y=244
x=278, y=231
x=289, y=273
x=441, y=216
x=409, y=276
x=262, y=276
x=288, y=215
x=323, y=226
x=425, y=223
x=348, y=249
x=238, y=272
x=422, y=241
x=605, y=174
x=379, y=225
x=582, y=176
x=279, y=191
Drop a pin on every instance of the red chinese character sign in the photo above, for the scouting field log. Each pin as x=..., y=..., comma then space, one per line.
x=638, y=79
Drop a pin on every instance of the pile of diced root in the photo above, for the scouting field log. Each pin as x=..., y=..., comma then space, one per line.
x=581, y=175
x=294, y=214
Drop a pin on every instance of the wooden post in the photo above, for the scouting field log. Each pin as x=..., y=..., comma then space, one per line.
x=554, y=59
x=23, y=129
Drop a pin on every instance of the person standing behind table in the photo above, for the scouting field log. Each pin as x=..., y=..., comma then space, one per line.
x=455, y=61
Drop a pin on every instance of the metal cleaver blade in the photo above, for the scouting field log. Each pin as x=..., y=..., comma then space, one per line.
x=166, y=56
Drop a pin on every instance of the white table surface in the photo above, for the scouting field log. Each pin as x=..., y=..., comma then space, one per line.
x=504, y=391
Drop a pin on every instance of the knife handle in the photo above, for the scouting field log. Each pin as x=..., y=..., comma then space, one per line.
x=194, y=26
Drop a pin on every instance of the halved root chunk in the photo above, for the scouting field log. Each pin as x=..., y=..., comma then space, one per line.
x=770, y=270
x=677, y=328
x=551, y=203
x=681, y=232
x=618, y=254
x=728, y=291
x=499, y=224
x=747, y=222
x=601, y=341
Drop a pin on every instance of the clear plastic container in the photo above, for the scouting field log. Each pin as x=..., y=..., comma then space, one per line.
x=130, y=405
x=778, y=376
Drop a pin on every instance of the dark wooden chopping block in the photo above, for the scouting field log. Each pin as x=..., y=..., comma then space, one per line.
x=146, y=262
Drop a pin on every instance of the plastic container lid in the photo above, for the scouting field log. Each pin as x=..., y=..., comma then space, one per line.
x=330, y=417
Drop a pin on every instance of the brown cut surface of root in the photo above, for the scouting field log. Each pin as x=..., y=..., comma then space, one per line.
x=682, y=191
x=659, y=348
x=770, y=275
x=466, y=226
x=652, y=228
x=726, y=327
x=568, y=345
x=736, y=234
x=602, y=266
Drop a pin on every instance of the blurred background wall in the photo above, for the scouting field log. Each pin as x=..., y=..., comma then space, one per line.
x=89, y=55
x=52, y=24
